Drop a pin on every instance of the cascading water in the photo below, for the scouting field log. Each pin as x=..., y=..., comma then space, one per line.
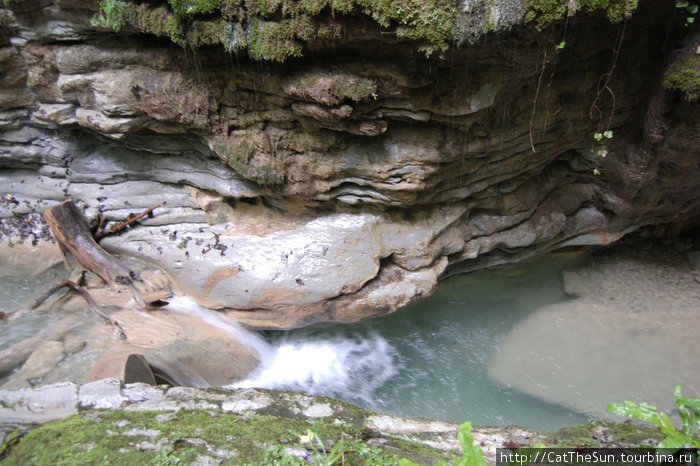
x=352, y=367
x=185, y=305
x=427, y=361
x=472, y=351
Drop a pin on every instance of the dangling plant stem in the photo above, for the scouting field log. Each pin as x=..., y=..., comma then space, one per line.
x=534, y=102
x=604, y=83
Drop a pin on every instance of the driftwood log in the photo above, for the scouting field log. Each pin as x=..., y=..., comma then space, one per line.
x=79, y=247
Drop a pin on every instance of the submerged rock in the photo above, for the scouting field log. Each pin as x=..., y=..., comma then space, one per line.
x=630, y=334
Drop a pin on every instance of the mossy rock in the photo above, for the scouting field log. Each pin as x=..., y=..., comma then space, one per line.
x=191, y=436
x=683, y=75
x=545, y=12
x=598, y=434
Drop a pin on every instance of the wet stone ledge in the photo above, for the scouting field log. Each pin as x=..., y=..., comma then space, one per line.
x=135, y=423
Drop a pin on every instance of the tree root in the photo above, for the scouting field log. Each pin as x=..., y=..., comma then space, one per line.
x=92, y=305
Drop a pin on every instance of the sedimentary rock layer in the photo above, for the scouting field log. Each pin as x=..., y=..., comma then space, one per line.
x=345, y=182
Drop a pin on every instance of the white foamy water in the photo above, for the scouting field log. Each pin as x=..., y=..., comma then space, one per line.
x=185, y=305
x=352, y=367
x=437, y=359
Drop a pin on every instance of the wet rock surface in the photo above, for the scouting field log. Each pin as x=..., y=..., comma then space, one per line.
x=344, y=184
x=134, y=422
x=643, y=294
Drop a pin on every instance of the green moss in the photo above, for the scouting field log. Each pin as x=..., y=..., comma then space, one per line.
x=597, y=434
x=112, y=14
x=431, y=22
x=277, y=29
x=335, y=88
x=157, y=21
x=124, y=437
x=173, y=30
x=262, y=175
x=118, y=437
x=233, y=38
x=184, y=8
x=206, y=33
x=544, y=12
x=273, y=40
x=684, y=75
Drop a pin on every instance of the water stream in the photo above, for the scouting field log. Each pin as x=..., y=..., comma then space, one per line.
x=434, y=359
x=431, y=359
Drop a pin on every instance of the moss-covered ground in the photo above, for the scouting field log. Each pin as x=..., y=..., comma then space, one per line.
x=189, y=436
x=196, y=436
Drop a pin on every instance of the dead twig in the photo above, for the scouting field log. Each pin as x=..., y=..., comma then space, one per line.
x=86, y=296
x=120, y=226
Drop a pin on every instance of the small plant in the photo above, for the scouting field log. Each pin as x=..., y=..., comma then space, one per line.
x=171, y=456
x=9, y=440
x=276, y=456
x=353, y=451
x=606, y=134
x=112, y=13
x=688, y=409
x=601, y=150
x=472, y=455
x=691, y=10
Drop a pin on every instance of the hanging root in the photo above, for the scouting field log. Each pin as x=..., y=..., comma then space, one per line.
x=118, y=330
x=604, y=83
x=534, y=102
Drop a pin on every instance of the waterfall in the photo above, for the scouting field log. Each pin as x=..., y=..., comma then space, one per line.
x=346, y=366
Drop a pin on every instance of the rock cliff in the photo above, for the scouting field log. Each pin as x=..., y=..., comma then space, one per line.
x=331, y=160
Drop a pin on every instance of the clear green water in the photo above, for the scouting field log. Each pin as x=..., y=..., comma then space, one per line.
x=426, y=361
x=431, y=360
x=18, y=292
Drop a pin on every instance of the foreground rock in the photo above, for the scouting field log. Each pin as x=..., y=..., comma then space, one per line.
x=344, y=183
x=138, y=423
x=630, y=333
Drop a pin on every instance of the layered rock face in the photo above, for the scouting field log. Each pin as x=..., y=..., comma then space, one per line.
x=344, y=183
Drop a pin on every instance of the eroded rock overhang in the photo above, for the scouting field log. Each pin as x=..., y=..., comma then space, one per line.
x=344, y=184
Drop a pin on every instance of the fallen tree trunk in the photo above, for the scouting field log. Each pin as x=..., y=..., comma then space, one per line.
x=77, y=244
x=79, y=247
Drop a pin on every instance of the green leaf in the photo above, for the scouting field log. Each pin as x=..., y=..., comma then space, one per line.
x=689, y=409
x=608, y=134
x=681, y=4
x=690, y=20
x=472, y=455
x=642, y=411
x=598, y=137
x=693, y=9
x=649, y=413
x=561, y=45
x=596, y=172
